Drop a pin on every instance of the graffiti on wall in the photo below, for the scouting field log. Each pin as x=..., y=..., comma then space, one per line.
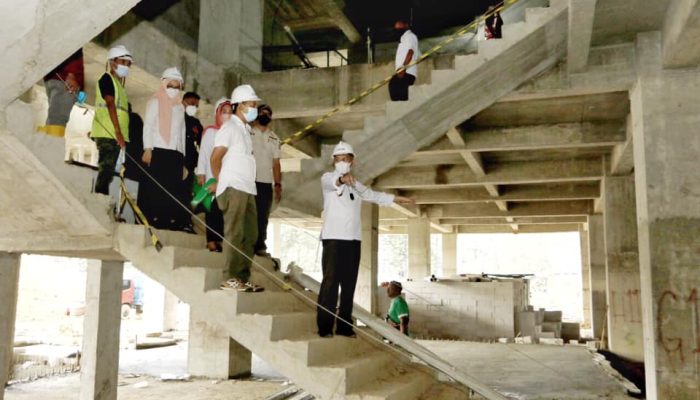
x=671, y=340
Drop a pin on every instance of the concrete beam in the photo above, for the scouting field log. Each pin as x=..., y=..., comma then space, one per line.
x=681, y=34
x=100, y=359
x=622, y=157
x=309, y=24
x=510, y=220
x=537, y=137
x=9, y=287
x=581, y=14
x=500, y=174
x=521, y=228
x=582, y=191
x=474, y=210
x=335, y=11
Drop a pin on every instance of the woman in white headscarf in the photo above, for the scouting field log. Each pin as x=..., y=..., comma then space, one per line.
x=214, y=218
x=164, y=153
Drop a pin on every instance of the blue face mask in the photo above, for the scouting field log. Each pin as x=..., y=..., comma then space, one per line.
x=251, y=114
x=122, y=71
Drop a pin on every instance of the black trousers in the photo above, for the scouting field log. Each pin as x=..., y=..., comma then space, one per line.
x=398, y=87
x=341, y=264
x=263, y=203
x=215, y=220
x=160, y=209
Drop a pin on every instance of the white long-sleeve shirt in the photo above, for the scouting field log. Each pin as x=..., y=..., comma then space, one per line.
x=151, y=131
x=342, y=207
x=205, y=150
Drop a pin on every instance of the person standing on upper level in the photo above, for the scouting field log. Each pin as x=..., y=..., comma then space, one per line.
x=164, y=152
x=341, y=235
x=110, y=126
x=213, y=218
x=493, y=24
x=406, y=53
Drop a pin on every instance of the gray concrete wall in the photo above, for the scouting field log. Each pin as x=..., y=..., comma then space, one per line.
x=462, y=310
x=665, y=106
x=596, y=248
x=9, y=284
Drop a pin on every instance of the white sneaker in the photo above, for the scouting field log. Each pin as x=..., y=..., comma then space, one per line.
x=235, y=284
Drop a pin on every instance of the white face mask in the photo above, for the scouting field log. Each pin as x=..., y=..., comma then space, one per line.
x=172, y=92
x=122, y=71
x=342, y=167
x=191, y=110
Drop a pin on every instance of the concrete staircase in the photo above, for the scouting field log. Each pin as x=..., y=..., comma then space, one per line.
x=38, y=35
x=279, y=326
x=478, y=80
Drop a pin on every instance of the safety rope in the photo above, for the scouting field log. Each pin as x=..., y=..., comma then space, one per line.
x=460, y=32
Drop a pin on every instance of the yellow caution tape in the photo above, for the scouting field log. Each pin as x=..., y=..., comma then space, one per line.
x=305, y=130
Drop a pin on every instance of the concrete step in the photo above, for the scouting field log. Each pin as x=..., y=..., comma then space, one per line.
x=446, y=391
x=289, y=325
x=512, y=32
x=189, y=257
x=264, y=303
x=401, y=384
x=353, y=373
x=466, y=61
x=374, y=122
x=536, y=14
x=321, y=351
x=443, y=76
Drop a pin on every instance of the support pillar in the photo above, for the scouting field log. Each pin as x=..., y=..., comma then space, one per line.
x=418, y=248
x=596, y=251
x=159, y=308
x=100, y=358
x=449, y=254
x=625, y=335
x=9, y=284
x=367, y=284
x=585, y=279
x=211, y=352
x=231, y=33
x=665, y=106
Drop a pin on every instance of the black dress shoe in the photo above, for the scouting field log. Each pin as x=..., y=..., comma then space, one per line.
x=325, y=335
x=350, y=334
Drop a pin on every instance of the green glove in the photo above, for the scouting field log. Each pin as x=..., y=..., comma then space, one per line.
x=202, y=194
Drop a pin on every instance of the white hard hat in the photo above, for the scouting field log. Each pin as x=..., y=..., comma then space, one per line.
x=173, y=74
x=220, y=102
x=244, y=93
x=119, y=51
x=343, y=148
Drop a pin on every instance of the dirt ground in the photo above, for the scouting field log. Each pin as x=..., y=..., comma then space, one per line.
x=131, y=388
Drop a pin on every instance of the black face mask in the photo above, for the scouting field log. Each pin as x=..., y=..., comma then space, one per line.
x=264, y=119
x=399, y=32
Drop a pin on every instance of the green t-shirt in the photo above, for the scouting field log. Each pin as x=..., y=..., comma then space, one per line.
x=398, y=309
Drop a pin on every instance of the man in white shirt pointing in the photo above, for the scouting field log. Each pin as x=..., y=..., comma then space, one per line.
x=406, y=53
x=341, y=234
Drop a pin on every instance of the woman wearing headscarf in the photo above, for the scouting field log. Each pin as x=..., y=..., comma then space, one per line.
x=164, y=153
x=214, y=218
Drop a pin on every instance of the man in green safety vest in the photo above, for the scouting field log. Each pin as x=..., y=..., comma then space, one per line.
x=110, y=127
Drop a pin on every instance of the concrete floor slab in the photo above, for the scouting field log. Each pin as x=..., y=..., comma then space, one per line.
x=531, y=371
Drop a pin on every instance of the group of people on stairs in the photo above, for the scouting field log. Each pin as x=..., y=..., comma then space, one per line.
x=237, y=159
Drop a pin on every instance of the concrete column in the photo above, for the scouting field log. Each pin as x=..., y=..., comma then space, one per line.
x=212, y=353
x=622, y=268
x=665, y=106
x=100, y=359
x=231, y=33
x=159, y=308
x=585, y=278
x=596, y=252
x=449, y=254
x=276, y=239
x=9, y=283
x=367, y=285
x=418, y=248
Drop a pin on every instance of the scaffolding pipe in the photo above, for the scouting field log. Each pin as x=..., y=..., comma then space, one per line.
x=297, y=275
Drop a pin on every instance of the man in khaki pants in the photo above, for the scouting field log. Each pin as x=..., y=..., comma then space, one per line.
x=233, y=167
